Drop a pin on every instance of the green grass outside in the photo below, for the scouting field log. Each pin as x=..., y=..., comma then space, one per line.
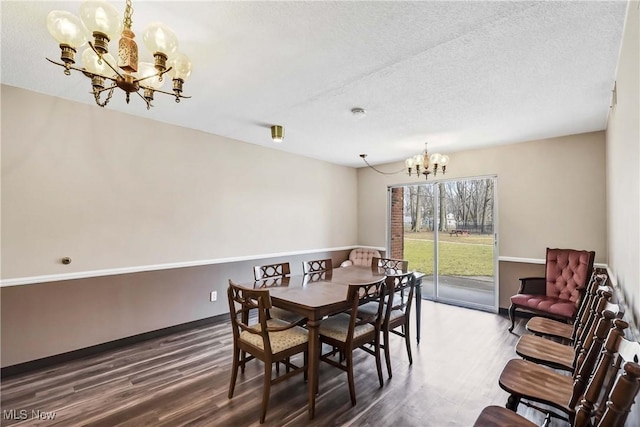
x=459, y=256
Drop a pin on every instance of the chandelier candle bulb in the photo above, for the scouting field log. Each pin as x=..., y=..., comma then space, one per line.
x=69, y=32
x=103, y=21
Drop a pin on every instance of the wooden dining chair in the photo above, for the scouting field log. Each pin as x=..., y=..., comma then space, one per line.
x=349, y=331
x=566, y=356
x=269, y=340
x=614, y=412
x=397, y=265
x=533, y=384
x=271, y=270
x=316, y=266
x=271, y=275
x=555, y=329
x=399, y=290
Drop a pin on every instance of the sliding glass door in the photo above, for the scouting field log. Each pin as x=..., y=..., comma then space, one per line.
x=449, y=234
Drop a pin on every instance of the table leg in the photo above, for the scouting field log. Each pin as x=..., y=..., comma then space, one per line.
x=418, y=292
x=314, y=362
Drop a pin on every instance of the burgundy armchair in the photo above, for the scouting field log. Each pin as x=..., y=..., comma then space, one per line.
x=559, y=293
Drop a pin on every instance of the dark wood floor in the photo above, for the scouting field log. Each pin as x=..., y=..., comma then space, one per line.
x=183, y=379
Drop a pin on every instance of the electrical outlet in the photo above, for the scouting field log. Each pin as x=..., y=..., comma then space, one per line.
x=214, y=296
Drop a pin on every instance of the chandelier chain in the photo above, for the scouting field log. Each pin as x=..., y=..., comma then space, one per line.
x=128, y=12
x=107, y=99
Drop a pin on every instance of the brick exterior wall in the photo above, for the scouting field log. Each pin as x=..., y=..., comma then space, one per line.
x=397, y=223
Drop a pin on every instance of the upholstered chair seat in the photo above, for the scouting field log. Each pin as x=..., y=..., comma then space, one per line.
x=280, y=341
x=337, y=327
x=549, y=304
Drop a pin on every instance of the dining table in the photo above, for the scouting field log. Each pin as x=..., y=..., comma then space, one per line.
x=315, y=296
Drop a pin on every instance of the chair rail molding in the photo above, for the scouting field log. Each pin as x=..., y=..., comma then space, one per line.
x=166, y=266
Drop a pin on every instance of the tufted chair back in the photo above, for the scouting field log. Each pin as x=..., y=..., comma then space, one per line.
x=363, y=256
x=568, y=272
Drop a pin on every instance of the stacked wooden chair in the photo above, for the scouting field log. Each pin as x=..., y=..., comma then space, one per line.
x=576, y=398
x=568, y=356
x=595, y=353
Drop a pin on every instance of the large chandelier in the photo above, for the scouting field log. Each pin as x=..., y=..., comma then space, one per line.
x=98, y=24
x=420, y=164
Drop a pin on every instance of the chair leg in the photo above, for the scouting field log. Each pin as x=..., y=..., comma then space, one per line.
x=352, y=387
x=266, y=391
x=234, y=371
x=513, y=402
x=378, y=360
x=306, y=366
x=407, y=341
x=243, y=359
x=512, y=316
x=387, y=352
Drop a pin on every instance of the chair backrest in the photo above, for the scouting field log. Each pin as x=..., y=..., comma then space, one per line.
x=585, y=337
x=399, y=265
x=567, y=273
x=621, y=397
x=598, y=281
x=400, y=294
x=362, y=256
x=597, y=378
x=241, y=302
x=613, y=406
x=317, y=265
x=362, y=294
x=271, y=270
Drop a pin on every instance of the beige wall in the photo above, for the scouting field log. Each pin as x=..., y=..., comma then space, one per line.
x=550, y=193
x=144, y=194
x=147, y=193
x=623, y=167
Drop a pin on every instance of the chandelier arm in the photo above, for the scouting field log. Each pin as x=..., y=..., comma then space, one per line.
x=82, y=70
x=107, y=62
x=378, y=170
x=171, y=93
x=160, y=74
x=71, y=67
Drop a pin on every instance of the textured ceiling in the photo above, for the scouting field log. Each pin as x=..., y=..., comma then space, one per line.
x=458, y=75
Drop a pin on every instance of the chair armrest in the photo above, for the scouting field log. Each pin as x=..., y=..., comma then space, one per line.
x=533, y=286
x=347, y=263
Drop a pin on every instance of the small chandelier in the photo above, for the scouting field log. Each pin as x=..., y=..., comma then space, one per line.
x=99, y=20
x=420, y=163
